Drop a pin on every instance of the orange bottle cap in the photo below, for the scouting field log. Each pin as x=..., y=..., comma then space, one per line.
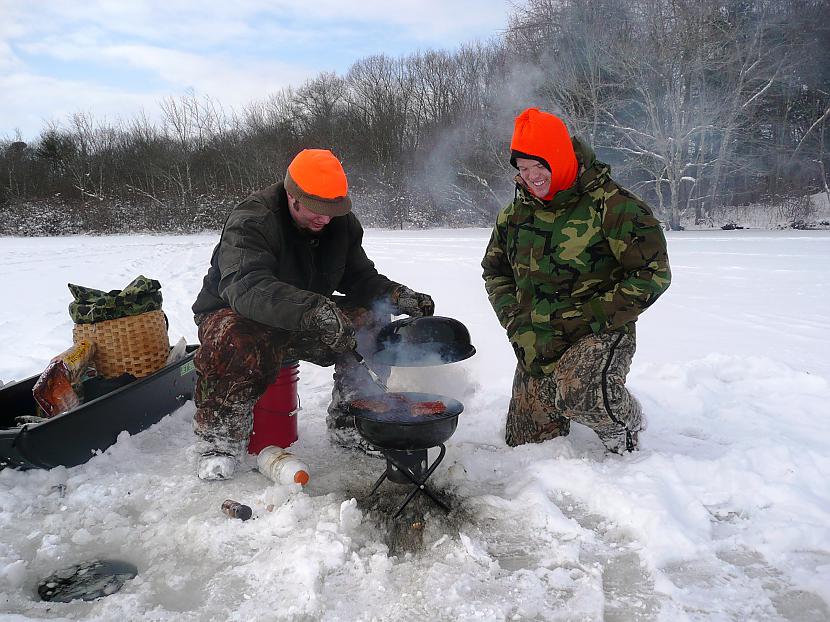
x=301, y=477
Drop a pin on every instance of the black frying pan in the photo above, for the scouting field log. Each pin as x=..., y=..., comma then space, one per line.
x=397, y=428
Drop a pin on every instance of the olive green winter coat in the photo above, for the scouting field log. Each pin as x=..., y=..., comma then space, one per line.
x=588, y=261
x=267, y=270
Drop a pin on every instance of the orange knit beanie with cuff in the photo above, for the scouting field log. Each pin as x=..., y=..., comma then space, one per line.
x=316, y=179
x=542, y=136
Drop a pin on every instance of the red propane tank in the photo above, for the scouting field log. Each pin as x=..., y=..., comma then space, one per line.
x=275, y=414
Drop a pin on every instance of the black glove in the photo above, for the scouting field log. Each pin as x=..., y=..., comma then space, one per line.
x=335, y=329
x=407, y=302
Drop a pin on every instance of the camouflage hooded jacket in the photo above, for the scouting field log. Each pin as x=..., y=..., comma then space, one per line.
x=589, y=260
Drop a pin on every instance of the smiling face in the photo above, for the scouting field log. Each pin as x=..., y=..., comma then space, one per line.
x=535, y=175
x=305, y=218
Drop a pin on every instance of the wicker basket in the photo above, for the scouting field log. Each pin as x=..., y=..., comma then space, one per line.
x=136, y=344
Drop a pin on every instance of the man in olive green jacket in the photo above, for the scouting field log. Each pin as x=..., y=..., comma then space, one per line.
x=268, y=298
x=571, y=264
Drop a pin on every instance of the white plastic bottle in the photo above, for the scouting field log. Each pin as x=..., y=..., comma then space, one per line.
x=281, y=466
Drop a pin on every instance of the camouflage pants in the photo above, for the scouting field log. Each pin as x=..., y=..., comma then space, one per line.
x=238, y=358
x=586, y=386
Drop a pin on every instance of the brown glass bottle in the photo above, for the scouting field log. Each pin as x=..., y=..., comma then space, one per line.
x=234, y=509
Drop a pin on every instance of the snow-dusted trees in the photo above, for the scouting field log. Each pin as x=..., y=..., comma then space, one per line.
x=697, y=104
x=687, y=96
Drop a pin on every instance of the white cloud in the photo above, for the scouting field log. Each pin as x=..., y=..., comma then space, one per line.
x=432, y=21
x=438, y=23
x=201, y=24
x=8, y=60
x=62, y=56
x=233, y=83
x=40, y=100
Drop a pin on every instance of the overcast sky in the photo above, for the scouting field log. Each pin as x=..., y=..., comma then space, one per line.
x=113, y=58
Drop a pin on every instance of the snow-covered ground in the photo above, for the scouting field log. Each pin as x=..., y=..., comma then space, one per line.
x=723, y=515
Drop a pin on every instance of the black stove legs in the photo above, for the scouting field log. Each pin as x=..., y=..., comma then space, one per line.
x=411, y=466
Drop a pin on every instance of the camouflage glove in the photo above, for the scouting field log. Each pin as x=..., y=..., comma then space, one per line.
x=407, y=302
x=335, y=329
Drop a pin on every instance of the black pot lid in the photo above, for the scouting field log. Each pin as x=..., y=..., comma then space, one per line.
x=423, y=341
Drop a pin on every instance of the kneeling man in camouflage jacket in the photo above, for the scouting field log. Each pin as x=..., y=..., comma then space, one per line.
x=268, y=298
x=572, y=262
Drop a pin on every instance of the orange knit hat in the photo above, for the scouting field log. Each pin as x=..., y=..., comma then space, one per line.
x=316, y=178
x=542, y=136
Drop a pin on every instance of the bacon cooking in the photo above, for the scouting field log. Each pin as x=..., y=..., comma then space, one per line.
x=428, y=408
x=399, y=403
x=375, y=406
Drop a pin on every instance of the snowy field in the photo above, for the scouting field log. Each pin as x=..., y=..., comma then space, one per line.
x=723, y=515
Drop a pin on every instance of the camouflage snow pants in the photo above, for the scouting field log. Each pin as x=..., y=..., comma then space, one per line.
x=238, y=358
x=586, y=386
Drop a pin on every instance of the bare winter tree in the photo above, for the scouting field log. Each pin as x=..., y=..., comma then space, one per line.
x=697, y=104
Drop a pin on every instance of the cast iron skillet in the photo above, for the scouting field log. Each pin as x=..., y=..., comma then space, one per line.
x=398, y=429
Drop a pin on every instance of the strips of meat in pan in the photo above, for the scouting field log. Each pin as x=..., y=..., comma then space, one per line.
x=400, y=403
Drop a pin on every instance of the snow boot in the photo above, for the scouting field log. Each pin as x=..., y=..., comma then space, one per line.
x=619, y=440
x=349, y=438
x=218, y=459
x=343, y=433
x=341, y=427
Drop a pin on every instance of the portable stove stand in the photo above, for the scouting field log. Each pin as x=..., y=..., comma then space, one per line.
x=410, y=466
x=405, y=440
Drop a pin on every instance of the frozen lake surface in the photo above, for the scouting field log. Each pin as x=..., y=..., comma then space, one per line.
x=723, y=515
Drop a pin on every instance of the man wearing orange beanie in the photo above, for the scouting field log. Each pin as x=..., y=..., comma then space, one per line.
x=572, y=262
x=267, y=298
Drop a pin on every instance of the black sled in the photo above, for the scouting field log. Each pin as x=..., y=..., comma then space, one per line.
x=75, y=436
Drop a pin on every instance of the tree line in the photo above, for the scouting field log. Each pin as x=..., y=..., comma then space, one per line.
x=696, y=104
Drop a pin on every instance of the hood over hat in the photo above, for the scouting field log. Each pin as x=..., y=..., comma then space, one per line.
x=316, y=178
x=542, y=136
